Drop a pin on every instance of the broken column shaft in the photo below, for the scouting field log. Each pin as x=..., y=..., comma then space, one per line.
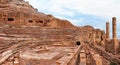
x=114, y=28
x=114, y=35
x=107, y=30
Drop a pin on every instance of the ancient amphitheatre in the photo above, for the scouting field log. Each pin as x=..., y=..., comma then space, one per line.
x=30, y=37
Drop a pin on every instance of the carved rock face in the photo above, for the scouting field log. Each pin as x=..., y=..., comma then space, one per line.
x=19, y=12
x=93, y=36
x=100, y=37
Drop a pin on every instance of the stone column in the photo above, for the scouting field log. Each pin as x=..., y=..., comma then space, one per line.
x=94, y=36
x=107, y=30
x=114, y=28
x=114, y=35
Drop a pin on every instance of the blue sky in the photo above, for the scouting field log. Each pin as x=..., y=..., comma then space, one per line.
x=82, y=12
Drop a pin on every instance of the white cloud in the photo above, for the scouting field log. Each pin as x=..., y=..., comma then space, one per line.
x=102, y=8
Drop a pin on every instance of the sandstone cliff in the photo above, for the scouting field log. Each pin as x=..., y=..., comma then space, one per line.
x=93, y=36
x=19, y=12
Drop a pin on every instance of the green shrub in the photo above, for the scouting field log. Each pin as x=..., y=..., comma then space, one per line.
x=112, y=63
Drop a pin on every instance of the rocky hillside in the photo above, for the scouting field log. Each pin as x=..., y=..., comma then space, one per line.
x=19, y=12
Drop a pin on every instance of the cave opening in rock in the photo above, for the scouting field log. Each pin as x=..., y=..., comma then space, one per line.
x=10, y=19
x=41, y=21
x=78, y=43
x=30, y=21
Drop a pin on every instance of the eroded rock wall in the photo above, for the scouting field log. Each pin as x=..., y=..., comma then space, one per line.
x=93, y=36
x=19, y=12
